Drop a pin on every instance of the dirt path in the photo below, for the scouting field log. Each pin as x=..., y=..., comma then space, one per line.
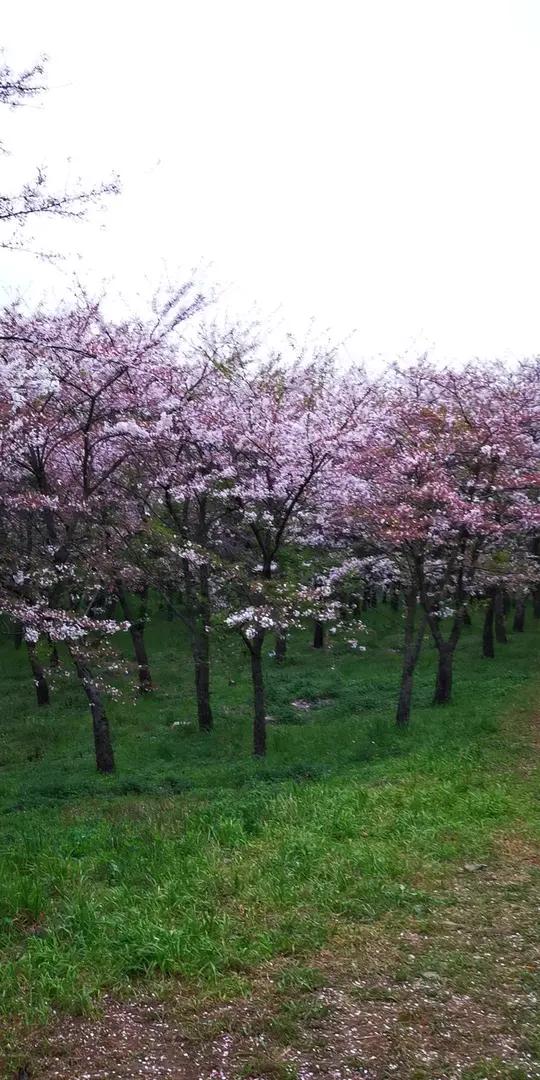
x=452, y=995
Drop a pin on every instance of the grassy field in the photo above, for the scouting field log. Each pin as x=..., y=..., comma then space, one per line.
x=196, y=862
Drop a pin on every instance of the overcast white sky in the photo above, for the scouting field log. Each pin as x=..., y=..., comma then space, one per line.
x=372, y=163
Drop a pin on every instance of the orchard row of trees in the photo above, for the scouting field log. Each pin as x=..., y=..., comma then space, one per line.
x=254, y=493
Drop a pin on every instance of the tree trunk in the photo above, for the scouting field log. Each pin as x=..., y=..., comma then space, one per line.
x=500, y=627
x=488, y=641
x=318, y=634
x=394, y=598
x=100, y=723
x=467, y=621
x=519, y=614
x=259, y=709
x=197, y=614
x=369, y=599
x=40, y=682
x=141, y=656
x=18, y=636
x=281, y=648
x=201, y=660
x=136, y=630
x=54, y=657
x=403, y=713
x=411, y=652
x=443, y=685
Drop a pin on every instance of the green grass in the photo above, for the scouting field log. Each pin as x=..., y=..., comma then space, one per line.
x=196, y=861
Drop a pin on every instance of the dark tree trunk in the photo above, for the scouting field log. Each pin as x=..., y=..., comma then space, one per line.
x=259, y=709
x=506, y=601
x=467, y=621
x=446, y=649
x=18, y=636
x=499, y=614
x=488, y=641
x=519, y=614
x=141, y=656
x=136, y=630
x=54, y=657
x=369, y=598
x=411, y=651
x=100, y=723
x=40, y=682
x=443, y=684
x=196, y=597
x=281, y=648
x=201, y=660
x=318, y=634
x=394, y=598
x=403, y=713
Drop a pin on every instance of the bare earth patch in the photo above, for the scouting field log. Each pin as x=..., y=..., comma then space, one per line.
x=454, y=994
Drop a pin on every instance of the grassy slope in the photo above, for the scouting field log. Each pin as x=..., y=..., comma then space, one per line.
x=196, y=861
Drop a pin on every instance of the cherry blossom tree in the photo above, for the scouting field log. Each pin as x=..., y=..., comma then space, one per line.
x=449, y=467
x=502, y=571
x=494, y=467
x=288, y=431
x=187, y=515
x=278, y=607
x=228, y=461
x=71, y=391
x=179, y=490
x=249, y=491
